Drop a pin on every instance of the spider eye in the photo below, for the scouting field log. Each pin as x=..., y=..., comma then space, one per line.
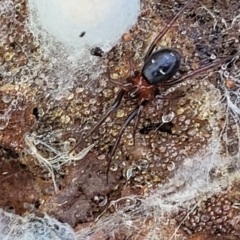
x=161, y=66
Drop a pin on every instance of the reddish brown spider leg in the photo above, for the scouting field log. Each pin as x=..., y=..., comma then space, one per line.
x=166, y=28
x=131, y=72
x=200, y=70
x=120, y=84
x=171, y=98
x=109, y=111
x=136, y=123
x=131, y=116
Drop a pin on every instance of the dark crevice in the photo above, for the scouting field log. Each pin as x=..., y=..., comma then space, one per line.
x=35, y=113
x=162, y=127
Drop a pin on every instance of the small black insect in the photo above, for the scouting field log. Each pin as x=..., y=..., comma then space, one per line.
x=82, y=34
x=158, y=69
x=97, y=51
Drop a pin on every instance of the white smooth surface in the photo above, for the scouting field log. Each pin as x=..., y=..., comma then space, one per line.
x=104, y=21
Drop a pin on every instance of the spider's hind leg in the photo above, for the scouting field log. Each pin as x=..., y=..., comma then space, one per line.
x=198, y=71
x=135, y=113
x=114, y=106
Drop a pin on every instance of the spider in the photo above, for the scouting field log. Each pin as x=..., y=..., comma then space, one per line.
x=158, y=69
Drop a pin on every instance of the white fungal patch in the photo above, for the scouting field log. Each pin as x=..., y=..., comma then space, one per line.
x=80, y=23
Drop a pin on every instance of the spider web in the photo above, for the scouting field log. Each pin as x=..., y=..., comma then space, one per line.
x=206, y=174
x=210, y=171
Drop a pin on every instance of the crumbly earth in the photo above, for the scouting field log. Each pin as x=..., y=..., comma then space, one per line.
x=175, y=125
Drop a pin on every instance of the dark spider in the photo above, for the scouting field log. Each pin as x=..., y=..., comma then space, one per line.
x=158, y=69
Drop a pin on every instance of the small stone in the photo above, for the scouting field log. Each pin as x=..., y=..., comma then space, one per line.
x=126, y=37
x=120, y=113
x=229, y=83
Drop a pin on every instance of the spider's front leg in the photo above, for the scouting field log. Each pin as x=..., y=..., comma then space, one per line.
x=166, y=28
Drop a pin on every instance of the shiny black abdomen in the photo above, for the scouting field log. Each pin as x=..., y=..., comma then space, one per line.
x=161, y=66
